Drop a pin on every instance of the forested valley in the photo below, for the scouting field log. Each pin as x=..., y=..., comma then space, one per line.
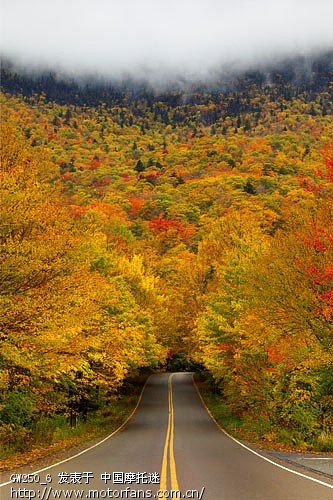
x=177, y=229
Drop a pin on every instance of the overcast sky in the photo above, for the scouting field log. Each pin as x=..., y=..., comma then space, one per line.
x=160, y=38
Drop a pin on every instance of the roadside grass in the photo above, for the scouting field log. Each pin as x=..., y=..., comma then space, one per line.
x=258, y=429
x=220, y=411
x=324, y=442
x=19, y=447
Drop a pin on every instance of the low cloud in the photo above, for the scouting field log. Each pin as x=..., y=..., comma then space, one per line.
x=161, y=39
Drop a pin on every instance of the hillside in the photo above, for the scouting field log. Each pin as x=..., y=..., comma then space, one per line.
x=190, y=227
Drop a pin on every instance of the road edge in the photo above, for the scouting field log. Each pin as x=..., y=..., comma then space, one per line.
x=128, y=418
x=263, y=457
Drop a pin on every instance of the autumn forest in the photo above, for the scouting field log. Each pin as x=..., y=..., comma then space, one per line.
x=183, y=229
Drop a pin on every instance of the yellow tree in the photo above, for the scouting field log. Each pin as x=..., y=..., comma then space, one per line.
x=61, y=317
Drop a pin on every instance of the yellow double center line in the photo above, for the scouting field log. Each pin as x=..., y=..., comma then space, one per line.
x=168, y=452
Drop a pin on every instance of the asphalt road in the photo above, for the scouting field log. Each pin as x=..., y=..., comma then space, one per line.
x=170, y=448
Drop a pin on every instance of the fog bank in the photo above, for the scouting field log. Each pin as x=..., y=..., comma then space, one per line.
x=161, y=39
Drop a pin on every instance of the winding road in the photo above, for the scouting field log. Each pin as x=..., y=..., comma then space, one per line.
x=170, y=448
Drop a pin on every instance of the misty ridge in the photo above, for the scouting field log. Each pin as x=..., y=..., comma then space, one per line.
x=312, y=73
x=163, y=44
